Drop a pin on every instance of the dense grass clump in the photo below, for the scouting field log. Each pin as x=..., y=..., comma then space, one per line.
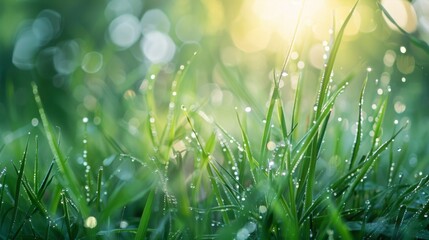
x=187, y=177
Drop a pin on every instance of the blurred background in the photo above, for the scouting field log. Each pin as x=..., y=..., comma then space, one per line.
x=94, y=58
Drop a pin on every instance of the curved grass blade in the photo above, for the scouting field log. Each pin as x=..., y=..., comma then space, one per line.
x=69, y=181
x=419, y=43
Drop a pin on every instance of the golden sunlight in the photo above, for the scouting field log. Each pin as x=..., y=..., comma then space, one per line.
x=259, y=21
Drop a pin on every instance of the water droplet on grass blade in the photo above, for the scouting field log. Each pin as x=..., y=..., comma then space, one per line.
x=90, y=222
x=34, y=122
x=262, y=209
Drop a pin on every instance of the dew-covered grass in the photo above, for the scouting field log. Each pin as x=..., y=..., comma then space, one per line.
x=282, y=172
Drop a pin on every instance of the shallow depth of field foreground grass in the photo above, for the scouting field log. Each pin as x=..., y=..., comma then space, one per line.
x=287, y=172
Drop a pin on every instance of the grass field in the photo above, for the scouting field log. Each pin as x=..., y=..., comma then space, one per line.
x=324, y=157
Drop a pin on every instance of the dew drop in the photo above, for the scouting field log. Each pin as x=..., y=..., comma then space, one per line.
x=91, y=222
x=262, y=209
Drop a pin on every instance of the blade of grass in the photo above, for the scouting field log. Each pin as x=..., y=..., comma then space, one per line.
x=275, y=95
x=69, y=181
x=358, y=138
x=144, y=220
x=18, y=188
x=2, y=174
x=419, y=43
x=296, y=107
x=378, y=122
x=398, y=222
x=36, y=165
x=99, y=180
x=323, y=93
x=168, y=134
x=206, y=163
x=46, y=181
x=330, y=64
x=252, y=162
x=368, y=163
x=306, y=141
x=35, y=200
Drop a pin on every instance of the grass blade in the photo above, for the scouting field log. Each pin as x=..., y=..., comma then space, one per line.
x=70, y=180
x=19, y=181
x=99, y=180
x=419, y=43
x=330, y=64
x=368, y=163
x=36, y=165
x=66, y=215
x=252, y=162
x=398, y=221
x=358, y=138
x=378, y=123
x=306, y=141
x=144, y=220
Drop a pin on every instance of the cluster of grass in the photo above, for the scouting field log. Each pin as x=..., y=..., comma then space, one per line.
x=192, y=179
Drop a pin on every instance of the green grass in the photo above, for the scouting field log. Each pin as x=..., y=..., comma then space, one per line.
x=191, y=178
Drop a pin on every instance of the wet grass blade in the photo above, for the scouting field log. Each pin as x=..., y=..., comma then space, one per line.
x=35, y=200
x=69, y=180
x=307, y=140
x=358, y=138
x=18, y=183
x=66, y=215
x=2, y=174
x=378, y=122
x=99, y=181
x=368, y=163
x=323, y=91
x=36, y=165
x=253, y=164
x=168, y=134
x=296, y=107
x=46, y=181
x=419, y=43
x=398, y=221
x=144, y=220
